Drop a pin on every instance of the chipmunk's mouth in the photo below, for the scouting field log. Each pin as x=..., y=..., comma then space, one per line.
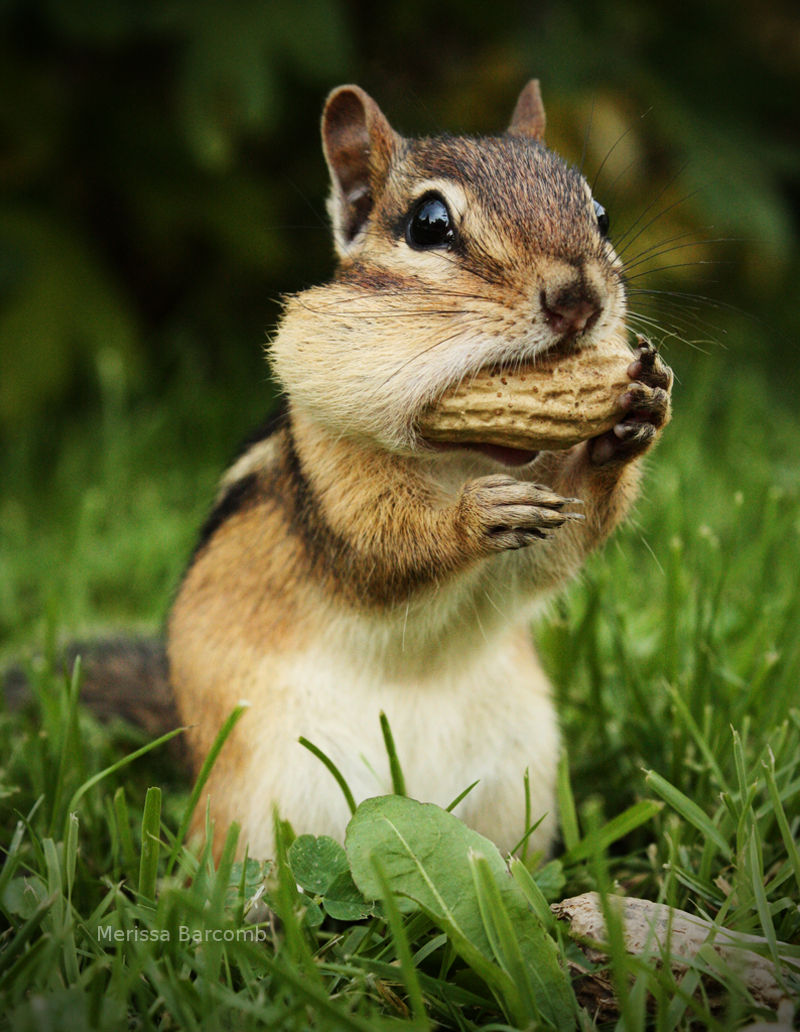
x=499, y=453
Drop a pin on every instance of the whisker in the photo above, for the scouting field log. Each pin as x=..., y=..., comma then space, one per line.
x=659, y=250
x=587, y=134
x=688, y=322
x=699, y=301
x=689, y=298
x=612, y=197
x=411, y=313
x=493, y=281
x=670, y=182
x=646, y=326
x=423, y=292
x=494, y=604
x=425, y=351
x=687, y=319
x=611, y=150
x=676, y=265
x=664, y=243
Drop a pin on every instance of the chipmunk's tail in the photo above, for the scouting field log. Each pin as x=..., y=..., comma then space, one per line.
x=120, y=677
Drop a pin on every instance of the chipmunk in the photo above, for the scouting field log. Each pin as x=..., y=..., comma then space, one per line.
x=350, y=567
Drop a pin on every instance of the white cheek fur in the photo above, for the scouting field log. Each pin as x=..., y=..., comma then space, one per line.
x=366, y=367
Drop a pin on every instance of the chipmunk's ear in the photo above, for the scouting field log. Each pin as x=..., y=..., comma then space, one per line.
x=529, y=118
x=359, y=144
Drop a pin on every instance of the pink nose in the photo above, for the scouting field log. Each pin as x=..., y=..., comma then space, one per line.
x=570, y=312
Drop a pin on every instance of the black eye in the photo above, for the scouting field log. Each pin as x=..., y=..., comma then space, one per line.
x=429, y=224
x=603, y=221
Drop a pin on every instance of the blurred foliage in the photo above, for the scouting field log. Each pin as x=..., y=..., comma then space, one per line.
x=161, y=181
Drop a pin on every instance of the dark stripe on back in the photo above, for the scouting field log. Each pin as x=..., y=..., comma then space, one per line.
x=326, y=550
x=238, y=496
x=244, y=491
x=304, y=512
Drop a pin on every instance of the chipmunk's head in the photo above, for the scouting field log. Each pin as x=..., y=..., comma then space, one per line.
x=455, y=253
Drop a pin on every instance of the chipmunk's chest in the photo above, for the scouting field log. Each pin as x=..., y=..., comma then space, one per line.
x=485, y=720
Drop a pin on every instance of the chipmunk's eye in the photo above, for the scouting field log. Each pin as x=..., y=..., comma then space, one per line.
x=429, y=224
x=603, y=221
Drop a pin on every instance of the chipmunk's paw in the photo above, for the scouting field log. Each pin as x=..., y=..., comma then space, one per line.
x=507, y=514
x=647, y=407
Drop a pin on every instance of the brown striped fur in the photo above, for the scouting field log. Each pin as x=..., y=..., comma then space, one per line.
x=348, y=567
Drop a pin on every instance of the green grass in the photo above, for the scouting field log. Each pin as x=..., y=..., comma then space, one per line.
x=676, y=663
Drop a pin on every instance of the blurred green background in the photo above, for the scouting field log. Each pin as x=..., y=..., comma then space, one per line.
x=161, y=185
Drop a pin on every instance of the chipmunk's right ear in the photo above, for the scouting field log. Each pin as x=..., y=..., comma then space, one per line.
x=529, y=118
x=359, y=144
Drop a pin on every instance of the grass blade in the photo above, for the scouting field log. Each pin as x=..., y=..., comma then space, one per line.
x=124, y=831
x=599, y=839
x=71, y=854
x=334, y=770
x=151, y=828
x=408, y=968
x=202, y=778
x=398, y=780
x=10, y=862
x=68, y=731
x=461, y=796
x=781, y=819
x=689, y=810
x=112, y=768
x=10, y=951
x=505, y=945
x=533, y=894
x=570, y=830
x=697, y=736
x=756, y=863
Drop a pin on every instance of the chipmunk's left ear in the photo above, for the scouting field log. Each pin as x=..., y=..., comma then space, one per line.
x=359, y=145
x=529, y=118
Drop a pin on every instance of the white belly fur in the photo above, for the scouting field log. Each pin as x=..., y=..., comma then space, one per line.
x=488, y=719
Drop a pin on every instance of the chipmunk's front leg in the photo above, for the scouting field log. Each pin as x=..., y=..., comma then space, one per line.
x=604, y=471
x=499, y=513
x=648, y=409
x=402, y=541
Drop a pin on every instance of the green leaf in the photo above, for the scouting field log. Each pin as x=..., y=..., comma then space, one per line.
x=319, y=866
x=23, y=896
x=310, y=912
x=551, y=880
x=247, y=877
x=316, y=862
x=343, y=902
x=429, y=856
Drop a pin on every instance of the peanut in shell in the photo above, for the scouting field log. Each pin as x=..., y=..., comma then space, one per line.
x=554, y=403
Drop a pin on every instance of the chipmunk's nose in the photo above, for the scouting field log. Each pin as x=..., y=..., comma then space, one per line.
x=570, y=310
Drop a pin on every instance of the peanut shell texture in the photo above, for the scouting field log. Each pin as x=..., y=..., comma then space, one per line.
x=553, y=403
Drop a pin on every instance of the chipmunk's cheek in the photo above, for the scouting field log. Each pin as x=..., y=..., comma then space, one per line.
x=499, y=453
